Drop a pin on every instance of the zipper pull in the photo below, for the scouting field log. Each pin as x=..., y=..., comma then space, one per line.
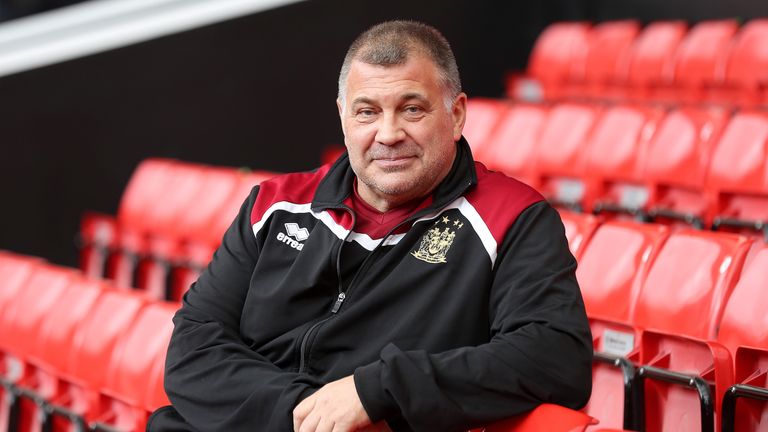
x=339, y=302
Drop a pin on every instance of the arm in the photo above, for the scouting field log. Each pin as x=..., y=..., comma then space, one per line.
x=540, y=348
x=215, y=381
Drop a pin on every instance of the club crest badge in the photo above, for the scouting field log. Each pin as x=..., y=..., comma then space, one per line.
x=436, y=242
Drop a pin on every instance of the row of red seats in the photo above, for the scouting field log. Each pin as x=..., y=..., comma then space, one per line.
x=701, y=166
x=77, y=352
x=715, y=61
x=680, y=331
x=171, y=219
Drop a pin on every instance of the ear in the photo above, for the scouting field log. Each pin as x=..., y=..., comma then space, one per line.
x=341, y=115
x=459, y=115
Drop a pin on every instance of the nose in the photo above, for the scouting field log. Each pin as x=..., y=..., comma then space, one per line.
x=390, y=131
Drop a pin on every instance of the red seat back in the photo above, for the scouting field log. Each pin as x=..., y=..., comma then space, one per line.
x=745, y=320
x=482, y=117
x=560, y=52
x=609, y=50
x=512, y=148
x=702, y=53
x=614, y=266
x=579, y=228
x=15, y=270
x=23, y=316
x=747, y=65
x=562, y=152
x=689, y=282
x=652, y=55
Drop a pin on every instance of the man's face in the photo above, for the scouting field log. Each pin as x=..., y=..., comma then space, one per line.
x=399, y=135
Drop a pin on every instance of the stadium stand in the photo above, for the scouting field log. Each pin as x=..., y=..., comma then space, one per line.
x=680, y=331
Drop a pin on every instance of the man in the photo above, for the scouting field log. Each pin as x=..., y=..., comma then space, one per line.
x=404, y=286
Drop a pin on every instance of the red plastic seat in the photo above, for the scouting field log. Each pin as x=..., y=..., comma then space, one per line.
x=680, y=307
x=744, y=331
x=607, y=59
x=166, y=244
x=14, y=271
x=512, y=148
x=482, y=117
x=125, y=390
x=614, y=169
x=557, y=57
x=55, y=340
x=738, y=174
x=562, y=153
x=651, y=58
x=699, y=60
x=148, y=184
x=745, y=76
x=77, y=395
x=611, y=271
x=96, y=239
x=544, y=418
x=579, y=228
x=676, y=168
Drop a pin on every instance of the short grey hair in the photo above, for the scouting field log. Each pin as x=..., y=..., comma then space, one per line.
x=390, y=43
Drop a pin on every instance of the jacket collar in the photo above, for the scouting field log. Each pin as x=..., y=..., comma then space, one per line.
x=336, y=186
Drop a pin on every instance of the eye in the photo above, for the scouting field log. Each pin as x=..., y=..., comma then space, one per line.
x=413, y=111
x=365, y=114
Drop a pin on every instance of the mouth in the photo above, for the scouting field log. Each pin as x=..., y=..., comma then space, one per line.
x=393, y=162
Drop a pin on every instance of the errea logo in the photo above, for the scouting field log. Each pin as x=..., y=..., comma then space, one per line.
x=293, y=230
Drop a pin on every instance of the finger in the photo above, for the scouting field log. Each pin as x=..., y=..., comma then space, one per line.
x=310, y=423
x=301, y=411
x=325, y=425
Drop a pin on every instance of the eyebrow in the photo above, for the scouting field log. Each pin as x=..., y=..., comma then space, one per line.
x=408, y=96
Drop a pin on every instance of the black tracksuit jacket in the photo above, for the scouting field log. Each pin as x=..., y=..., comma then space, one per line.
x=471, y=315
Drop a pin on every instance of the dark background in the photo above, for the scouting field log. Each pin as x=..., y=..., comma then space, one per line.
x=257, y=92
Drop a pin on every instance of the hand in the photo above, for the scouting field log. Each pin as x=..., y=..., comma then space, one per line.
x=336, y=407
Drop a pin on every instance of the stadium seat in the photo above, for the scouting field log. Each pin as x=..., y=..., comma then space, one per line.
x=20, y=325
x=745, y=77
x=544, y=418
x=738, y=175
x=579, y=228
x=676, y=166
x=165, y=243
x=562, y=154
x=14, y=271
x=651, y=58
x=150, y=180
x=616, y=158
x=483, y=114
x=557, y=57
x=512, y=146
x=607, y=59
x=126, y=387
x=680, y=307
x=698, y=61
x=77, y=397
x=54, y=341
x=610, y=273
x=744, y=331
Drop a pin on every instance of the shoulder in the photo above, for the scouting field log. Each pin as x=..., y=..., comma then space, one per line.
x=293, y=189
x=499, y=199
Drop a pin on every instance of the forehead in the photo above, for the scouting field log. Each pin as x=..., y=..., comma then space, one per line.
x=418, y=74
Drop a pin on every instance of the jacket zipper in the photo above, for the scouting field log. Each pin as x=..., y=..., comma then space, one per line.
x=339, y=299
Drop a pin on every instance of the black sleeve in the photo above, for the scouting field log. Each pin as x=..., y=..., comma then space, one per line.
x=214, y=380
x=540, y=348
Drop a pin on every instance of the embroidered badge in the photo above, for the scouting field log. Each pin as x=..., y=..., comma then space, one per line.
x=436, y=242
